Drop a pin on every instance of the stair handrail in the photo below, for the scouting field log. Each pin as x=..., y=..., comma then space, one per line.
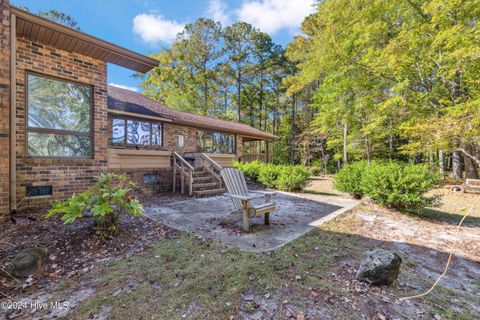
x=212, y=162
x=215, y=166
x=188, y=173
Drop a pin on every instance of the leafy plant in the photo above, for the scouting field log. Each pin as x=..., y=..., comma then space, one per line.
x=250, y=169
x=293, y=178
x=105, y=200
x=349, y=178
x=288, y=178
x=268, y=174
x=400, y=186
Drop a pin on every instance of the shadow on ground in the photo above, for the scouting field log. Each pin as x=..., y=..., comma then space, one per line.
x=295, y=215
x=312, y=277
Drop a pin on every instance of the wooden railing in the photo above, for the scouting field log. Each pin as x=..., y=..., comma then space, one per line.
x=248, y=157
x=212, y=167
x=186, y=173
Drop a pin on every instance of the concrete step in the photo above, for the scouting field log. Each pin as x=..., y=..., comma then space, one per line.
x=204, y=179
x=200, y=173
x=208, y=193
x=206, y=186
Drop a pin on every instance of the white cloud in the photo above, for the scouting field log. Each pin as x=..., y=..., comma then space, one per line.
x=113, y=84
x=273, y=15
x=217, y=11
x=155, y=28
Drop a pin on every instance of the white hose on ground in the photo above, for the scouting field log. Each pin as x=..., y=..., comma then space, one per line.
x=449, y=256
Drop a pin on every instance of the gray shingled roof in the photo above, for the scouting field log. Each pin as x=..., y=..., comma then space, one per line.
x=134, y=102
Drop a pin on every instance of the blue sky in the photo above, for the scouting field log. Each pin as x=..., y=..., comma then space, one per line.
x=148, y=26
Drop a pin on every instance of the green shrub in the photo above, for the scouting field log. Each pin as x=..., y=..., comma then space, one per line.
x=293, y=178
x=316, y=170
x=288, y=178
x=251, y=170
x=349, y=178
x=105, y=201
x=268, y=175
x=400, y=186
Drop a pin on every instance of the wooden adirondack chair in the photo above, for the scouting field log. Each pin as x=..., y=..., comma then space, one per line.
x=241, y=197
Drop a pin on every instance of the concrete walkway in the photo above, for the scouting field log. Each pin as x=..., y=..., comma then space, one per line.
x=296, y=215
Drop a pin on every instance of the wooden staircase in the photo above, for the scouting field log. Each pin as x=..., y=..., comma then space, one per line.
x=202, y=181
x=205, y=184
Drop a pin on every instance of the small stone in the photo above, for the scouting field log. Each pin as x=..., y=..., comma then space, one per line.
x=297, y=277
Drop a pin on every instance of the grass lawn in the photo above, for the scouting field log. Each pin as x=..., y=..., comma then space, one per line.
x=312, y=277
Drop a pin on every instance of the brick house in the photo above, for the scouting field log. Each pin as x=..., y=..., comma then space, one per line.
x=61, y=125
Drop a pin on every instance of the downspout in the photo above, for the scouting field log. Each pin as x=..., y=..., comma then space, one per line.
x=13, y=117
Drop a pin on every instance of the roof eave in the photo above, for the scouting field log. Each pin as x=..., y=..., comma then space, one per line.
x=94, y=47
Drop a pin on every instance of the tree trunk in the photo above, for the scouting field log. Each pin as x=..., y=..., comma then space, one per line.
x=471, y=171
x=239, y=91
x=457, y=165
x=345, y=133
x=293, y=131
x=390, y=140
x=367, y=147
x=441, y=162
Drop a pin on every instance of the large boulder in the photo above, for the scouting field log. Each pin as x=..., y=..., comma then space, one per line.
x=26, y=262
x=379, y=267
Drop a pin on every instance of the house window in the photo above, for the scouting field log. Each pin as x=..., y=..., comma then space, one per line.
x=59, y=118
x=136, y=132
x=216, y=142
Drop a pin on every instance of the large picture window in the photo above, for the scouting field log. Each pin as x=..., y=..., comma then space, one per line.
x=136, y=132
x=59, y=121
x=216, y=142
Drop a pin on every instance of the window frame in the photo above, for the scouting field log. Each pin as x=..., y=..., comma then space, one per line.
x=201, y=135
x=125, y=131
x=29, y=129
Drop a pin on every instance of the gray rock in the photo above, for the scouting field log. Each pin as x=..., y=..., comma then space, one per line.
x=26, y=262
x=379, y=267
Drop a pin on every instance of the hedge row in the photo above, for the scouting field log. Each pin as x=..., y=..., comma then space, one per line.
x=282, y=177
x=396, y=185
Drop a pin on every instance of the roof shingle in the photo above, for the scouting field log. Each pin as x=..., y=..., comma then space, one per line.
x=130, y=101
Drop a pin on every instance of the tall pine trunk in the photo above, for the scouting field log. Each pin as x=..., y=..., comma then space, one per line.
x=239, y=91
x=293, y=131
x=471, y=171
x=345, y=134
x=441, y=162
x=457, y=165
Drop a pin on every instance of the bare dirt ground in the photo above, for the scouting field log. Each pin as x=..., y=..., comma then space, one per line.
x=313, y=277
x=72, y=250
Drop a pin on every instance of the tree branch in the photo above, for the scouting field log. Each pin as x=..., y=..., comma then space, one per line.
x=471, y=156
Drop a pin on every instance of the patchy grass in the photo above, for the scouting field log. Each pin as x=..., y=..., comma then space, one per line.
x=312, y=276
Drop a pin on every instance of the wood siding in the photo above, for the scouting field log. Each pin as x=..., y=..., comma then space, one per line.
x=225, y=160
x=128, y=159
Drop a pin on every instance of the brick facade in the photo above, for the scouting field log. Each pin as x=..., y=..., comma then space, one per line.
x=4, y=106
x=66, y=176
x=170, y=139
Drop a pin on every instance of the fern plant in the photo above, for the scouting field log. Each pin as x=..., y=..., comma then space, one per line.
x=105, y=201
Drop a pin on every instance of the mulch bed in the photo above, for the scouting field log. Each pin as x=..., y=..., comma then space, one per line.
x=73, y=249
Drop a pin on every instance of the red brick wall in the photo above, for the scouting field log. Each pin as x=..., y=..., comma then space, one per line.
x=65, y=175
x=4, y=106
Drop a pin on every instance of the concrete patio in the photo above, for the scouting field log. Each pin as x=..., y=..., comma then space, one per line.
x=296, y=215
